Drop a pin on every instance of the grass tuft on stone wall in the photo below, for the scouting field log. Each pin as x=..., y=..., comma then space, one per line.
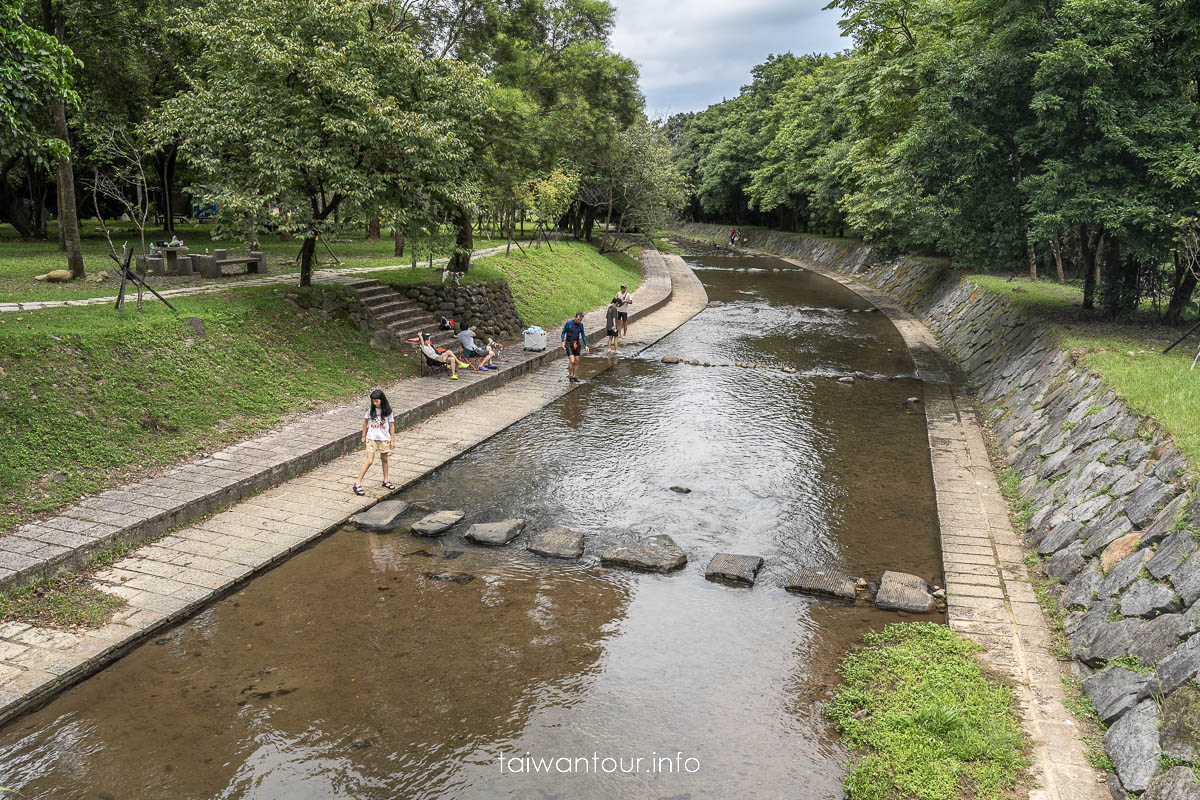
x=930, y=723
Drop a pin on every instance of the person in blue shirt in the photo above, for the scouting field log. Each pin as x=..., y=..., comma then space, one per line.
x=574, y=340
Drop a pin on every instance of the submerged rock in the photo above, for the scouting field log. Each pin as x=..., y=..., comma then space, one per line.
x=380, y=517
x=556, y=543
x=670, y=359
x=734, y=568
x=823, y=583
x=653, y=554
x=450, y=577
x=681, y=490
x=495, y=534
x=437, y=523
x=899, y=591
x=846, y=379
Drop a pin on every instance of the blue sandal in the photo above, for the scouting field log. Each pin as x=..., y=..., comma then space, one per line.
x=358, y=490
x=388, y=485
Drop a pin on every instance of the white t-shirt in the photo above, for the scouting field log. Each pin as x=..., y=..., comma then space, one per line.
x=377, y=428
x=626, y=298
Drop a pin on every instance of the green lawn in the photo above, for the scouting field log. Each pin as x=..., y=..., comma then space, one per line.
x=548, y=285
x=89, y=397
x=1127, y=354
x=929, y=722
x=21, y=260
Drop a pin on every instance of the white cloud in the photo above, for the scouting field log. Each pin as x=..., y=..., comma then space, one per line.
x=697, y=52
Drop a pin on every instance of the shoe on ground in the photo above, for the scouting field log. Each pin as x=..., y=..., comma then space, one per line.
x=461, y=365
x=453, y=377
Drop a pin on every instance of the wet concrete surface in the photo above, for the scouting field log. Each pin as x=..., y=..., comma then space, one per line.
x=358, y=670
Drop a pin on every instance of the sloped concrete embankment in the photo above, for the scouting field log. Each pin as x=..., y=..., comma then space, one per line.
x=1114, y=510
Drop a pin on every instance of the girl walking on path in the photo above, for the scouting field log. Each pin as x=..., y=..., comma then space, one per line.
x=379, y=435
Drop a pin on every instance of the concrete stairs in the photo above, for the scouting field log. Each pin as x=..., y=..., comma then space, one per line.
x=388, y=309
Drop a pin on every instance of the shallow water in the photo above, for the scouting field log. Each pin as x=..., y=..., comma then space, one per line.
x=348, y=672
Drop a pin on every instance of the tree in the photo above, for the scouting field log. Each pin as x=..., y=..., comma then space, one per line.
x=306, y=115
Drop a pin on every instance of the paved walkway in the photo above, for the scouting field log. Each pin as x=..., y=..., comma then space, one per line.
x=318, y=276
x=174, y=576
x=207, y=484
x=989, y=596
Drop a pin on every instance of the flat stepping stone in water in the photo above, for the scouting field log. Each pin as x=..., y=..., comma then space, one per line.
x=437, y=523
x=556, y=543
x=899, y=591
x=822, y=583
x=495, y=534
x=652, y=554
x=381, y=516
x=734, y=568
x=450, y=577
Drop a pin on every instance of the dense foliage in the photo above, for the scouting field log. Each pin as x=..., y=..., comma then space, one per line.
x=302, y=117
x=1009, y=134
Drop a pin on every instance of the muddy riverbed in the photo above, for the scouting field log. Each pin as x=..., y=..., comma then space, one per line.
x=349, y=672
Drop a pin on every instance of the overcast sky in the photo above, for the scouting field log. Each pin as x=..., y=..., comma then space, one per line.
x=695, y=52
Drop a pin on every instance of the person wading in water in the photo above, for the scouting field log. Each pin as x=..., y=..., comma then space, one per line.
x=574, y=340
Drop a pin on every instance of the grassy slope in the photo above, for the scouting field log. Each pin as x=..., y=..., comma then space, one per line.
x=88, y=399
x=931, y=724
x=1128, y=355
x=20, y=260
x=549, y=286
x=88, y=395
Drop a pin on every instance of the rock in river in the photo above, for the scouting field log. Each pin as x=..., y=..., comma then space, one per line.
x=556, y=543
x=495, y=533
x=381, y=517
x=681, y=490
x=652, y=554
x=899, y=591
x=437, y=523
x=734, y=568
x=822, y=583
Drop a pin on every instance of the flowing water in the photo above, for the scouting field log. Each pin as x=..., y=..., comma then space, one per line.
x=348, y=672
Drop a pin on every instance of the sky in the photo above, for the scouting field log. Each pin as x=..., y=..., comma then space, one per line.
x=693, y=53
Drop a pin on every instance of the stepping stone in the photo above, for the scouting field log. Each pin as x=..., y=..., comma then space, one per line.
x=652, y=554
x=822, y=584
x=734, y=568
x=450, y=577
x=437, y=523
x=899, y=591
x=556, y=543
x=381, y=516
x=495, y=534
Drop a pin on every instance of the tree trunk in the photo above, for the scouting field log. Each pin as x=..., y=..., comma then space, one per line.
x=398, y=250
x=68, y=218
x=1089, y=249
x=285, y=237
x=589, y=221
x=1183, y=285
x=373, y=229
x=1033, y=276
x=168, y=190
x=464, y=240
x=306, y=259
x=1056, y=248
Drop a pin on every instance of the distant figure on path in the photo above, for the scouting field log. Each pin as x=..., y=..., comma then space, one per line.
x=732, y=237
x=378, y=434
x=574, y=340
x=626, y=301
x=611, y=324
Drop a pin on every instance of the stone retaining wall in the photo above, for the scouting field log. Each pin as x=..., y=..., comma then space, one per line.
x=1111, y=506
x=488, y=307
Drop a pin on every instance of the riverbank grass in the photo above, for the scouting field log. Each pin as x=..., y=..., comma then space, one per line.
x=930, y=723
x=1128, y=355
x=66, y=600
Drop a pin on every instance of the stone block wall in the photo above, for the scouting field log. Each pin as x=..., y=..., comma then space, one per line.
x=488, y=307
x=1111, y=506
x=330, y=302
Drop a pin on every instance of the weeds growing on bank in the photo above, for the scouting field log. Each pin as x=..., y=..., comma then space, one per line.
x=1091, y=729
x=66, y=600
x=930, y=723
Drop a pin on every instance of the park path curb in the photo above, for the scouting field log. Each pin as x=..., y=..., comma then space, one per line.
x=990, y=598
x=134, y=513
x=166, y=581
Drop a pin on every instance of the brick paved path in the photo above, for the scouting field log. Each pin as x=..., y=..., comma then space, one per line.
x=989, y=596
x=172, y=577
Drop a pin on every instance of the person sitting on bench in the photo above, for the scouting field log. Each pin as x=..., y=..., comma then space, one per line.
x=471, y=349
x=435, y=359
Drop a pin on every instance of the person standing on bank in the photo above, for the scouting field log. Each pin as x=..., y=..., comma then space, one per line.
x=574, y=340
x=623, y=312
x=611, y=325
x=379, y=435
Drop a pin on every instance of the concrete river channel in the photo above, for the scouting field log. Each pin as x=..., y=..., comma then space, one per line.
x=348, y=672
